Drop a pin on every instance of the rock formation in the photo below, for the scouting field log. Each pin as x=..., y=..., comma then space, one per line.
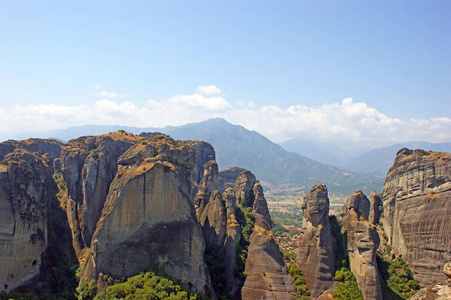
x=316, y=256
x=375, y=201
x=362, y=241
x=228, y=177
x=148, y=217
x=88, y=165
x=41, y=146
x=417, y=210
x=25, y=189
x=439, y=291
x=267, y=275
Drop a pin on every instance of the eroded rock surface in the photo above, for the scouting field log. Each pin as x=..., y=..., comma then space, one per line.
x=362, y=241
x=26, y=185
x=88, y=165
x=375, y=201
x=149, y=217
x=440, y=291
x=41, y=146
x=267, y=275
x=417, y=210
x=316, y=256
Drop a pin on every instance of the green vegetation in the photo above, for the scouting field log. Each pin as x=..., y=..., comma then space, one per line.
x=86, y=290
x=347, y=287
x=302, y=291
x=279, y=230
x=147, y=285
x=246, y=219
x=215, y=264
x=397, y=278
x=287, y=218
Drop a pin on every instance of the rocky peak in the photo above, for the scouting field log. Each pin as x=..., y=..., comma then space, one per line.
x=359, y=203
x=315, y=206
x=375, y=202
x=243, y=186
x=41, y=146
x=316, y=256
x=362, y=241
x=260, y=208
x=227, y=177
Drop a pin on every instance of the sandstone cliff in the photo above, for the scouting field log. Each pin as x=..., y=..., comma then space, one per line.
x=88, y=165
x=316, y=256
x=41, y=146
x=439, y=291
x=417, y=210
x=148, y=217
x=362, y=241
x=267, y=275
x=25, y=189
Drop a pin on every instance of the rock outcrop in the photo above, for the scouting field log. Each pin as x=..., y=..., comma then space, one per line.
x=41, y=146
x=26, y=185
x=417, y=210
x=316, y=256
x=362, y=241
x=439, y=291
x=375, y=201
x=149, y=218
x=227, y=177
x=267, y=275
x=88, y=165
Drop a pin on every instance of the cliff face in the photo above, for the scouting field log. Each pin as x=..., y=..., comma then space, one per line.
x=417, y=210
x=316, y=256
x=41, y=146
x=88, y=165
x=362, y=241
x=148, y=217
x=26, y=185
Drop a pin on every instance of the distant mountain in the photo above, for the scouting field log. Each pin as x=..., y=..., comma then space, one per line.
x=316, y=151
x=236, y=146
x=379, y=161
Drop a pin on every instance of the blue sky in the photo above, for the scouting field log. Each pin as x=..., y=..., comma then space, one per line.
x=66, y=63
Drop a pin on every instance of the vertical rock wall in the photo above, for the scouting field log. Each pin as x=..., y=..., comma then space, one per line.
x=417, y=210
x=26, y=186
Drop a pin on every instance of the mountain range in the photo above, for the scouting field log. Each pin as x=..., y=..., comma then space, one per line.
x=297, y=163
x=237, y=146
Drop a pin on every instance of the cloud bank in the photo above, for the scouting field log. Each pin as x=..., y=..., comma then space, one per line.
x=345, y=120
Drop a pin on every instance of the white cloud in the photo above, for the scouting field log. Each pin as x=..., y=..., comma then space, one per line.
x=345, y=121
x=208, y=90
x=104, y=93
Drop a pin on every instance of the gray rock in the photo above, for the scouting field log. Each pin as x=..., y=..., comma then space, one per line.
x=316, y=257
x=417, y=210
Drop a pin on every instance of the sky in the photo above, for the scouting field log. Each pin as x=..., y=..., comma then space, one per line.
x=369, y=72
